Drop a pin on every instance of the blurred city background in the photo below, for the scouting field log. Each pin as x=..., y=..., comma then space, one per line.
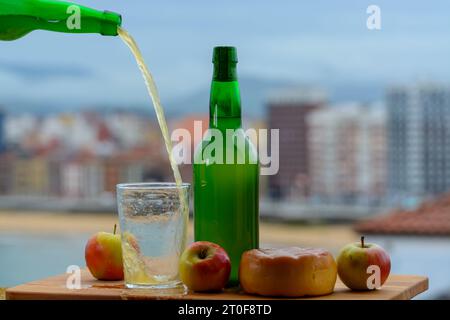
x=364, y=119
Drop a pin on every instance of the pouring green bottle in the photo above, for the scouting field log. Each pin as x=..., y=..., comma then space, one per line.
x=20, y=17
x=226, y=180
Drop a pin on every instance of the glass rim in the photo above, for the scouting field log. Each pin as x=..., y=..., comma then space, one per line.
x=151, y=185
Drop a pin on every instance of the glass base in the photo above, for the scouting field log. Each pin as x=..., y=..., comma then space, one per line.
x=160, y=290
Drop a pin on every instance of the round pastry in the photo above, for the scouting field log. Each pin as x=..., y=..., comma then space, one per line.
x=288, y=272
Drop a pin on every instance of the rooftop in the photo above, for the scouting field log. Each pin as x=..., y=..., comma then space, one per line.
x=432, y=218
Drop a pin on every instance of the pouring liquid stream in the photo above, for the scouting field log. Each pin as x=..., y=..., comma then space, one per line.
x=153, y=93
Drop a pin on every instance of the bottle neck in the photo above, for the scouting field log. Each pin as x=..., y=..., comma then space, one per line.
x=91, y=21
x=26, y=16
x=225, y=100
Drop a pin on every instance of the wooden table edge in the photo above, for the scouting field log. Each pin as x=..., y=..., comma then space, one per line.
x=22, y=292
x=418, y=288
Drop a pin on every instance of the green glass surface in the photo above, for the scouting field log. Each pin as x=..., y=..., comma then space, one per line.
x=20, y=17
x=226, y=196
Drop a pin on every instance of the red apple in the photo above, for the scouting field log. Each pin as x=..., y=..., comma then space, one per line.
x=103, y=254
x=363, y=266
x=204, y=266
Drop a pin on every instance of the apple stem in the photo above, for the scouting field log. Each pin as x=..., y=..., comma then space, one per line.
x=362, y=241
x=115, y=228
x=203, y=253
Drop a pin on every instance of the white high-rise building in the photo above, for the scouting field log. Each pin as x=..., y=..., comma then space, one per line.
x=347, y=153
x=418, y=140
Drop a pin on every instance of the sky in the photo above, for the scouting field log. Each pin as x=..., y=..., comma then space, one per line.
x=318, y=42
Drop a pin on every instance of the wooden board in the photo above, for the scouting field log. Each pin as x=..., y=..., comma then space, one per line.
x=397, y=287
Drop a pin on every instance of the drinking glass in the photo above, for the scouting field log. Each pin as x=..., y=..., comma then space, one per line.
x=153, y=221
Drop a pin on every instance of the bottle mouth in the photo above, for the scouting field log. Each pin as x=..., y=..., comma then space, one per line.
x=111, y=21
x=225, y=61
x=224, y=55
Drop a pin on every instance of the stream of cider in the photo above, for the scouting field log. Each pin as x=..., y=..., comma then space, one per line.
x=153, y=92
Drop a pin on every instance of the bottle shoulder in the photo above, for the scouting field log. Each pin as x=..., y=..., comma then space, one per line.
x=231, y=145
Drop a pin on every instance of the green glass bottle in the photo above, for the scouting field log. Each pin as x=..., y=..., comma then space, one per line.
x=20, y=17
x=226, y=193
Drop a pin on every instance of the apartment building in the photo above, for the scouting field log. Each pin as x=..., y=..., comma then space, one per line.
x=347, y=154
x=287, y=111
x=418, y=140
